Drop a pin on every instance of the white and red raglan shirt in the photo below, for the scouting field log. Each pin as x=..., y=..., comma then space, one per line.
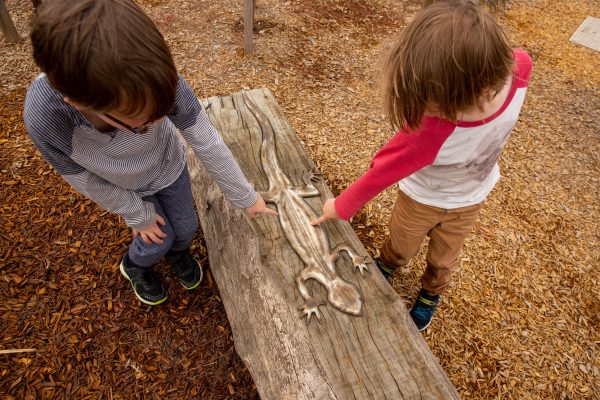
x=443, y=164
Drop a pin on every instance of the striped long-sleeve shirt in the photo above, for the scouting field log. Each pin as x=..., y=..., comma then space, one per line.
x=116, y=169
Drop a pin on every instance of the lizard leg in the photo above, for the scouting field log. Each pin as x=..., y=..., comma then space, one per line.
x=306, y=191
x=269, y=197
x=312, y=175
x=309, y=190
x=311, y=305
x=359, y=262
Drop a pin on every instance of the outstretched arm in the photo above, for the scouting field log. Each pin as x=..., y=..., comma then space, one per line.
x=329, y=212
x=406, y=153
x=191, y=119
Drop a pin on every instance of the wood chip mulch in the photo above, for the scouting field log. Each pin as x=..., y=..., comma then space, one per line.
x=522, y=319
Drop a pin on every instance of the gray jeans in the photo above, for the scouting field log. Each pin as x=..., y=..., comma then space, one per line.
x=176, y=205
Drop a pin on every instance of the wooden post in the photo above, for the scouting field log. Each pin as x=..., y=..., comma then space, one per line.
x=7, y=25
x=368, y=350
x=249, y=7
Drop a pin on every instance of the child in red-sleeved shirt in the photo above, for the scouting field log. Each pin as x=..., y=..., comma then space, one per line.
x=454, y=92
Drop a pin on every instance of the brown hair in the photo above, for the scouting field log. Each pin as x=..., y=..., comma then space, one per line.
x=104, y=54
x=447, y=57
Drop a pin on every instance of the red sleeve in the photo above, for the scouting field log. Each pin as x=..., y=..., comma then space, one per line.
x=522, y=68
x=406, y=153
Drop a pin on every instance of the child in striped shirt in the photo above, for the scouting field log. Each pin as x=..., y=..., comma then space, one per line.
x=454, y=90
x=105, y=114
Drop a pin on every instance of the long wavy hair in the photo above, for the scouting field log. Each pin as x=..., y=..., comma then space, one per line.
x=446, y=59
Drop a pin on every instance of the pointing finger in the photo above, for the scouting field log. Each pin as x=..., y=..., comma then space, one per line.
x=318, y=220
x=270, y=211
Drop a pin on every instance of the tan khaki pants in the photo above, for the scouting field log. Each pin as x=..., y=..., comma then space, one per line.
x=447, y=229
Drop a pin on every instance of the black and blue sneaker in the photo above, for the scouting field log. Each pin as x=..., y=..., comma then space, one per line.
x=385, y=270
x=186, y=267
x=423, y=310
x=147, y=286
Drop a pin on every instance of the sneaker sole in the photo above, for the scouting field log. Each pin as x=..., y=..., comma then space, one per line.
x=425, y=327
x=199, y=281
x=150, y=303
x=413, y=321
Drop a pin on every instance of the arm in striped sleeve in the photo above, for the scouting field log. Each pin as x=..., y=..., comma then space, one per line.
x=191, y=119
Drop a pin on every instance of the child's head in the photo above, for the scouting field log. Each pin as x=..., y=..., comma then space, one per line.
x=105, y=55
x=450, y=55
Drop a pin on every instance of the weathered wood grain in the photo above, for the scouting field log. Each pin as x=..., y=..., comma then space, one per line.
x=379, y=355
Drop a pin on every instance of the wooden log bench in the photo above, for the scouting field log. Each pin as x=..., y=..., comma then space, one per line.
x=277, y=275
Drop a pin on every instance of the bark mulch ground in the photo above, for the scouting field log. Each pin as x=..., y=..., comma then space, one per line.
x=521, y=320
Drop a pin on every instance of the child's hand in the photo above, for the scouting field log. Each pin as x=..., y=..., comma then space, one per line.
x=328, y=213
x=259, y=208
x=153, y=234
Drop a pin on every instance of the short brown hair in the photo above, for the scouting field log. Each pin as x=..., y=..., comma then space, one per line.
x=447, y=56
x=104, y=54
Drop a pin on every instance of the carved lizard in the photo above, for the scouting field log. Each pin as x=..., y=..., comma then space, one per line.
x=309, y=242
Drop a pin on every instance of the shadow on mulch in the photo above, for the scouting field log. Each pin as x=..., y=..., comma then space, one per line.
x=64, y=297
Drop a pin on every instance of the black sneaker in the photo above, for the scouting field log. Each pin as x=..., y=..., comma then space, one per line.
x=146, y=284
x=423, y=310
x=385, y=270
x=187, y=269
